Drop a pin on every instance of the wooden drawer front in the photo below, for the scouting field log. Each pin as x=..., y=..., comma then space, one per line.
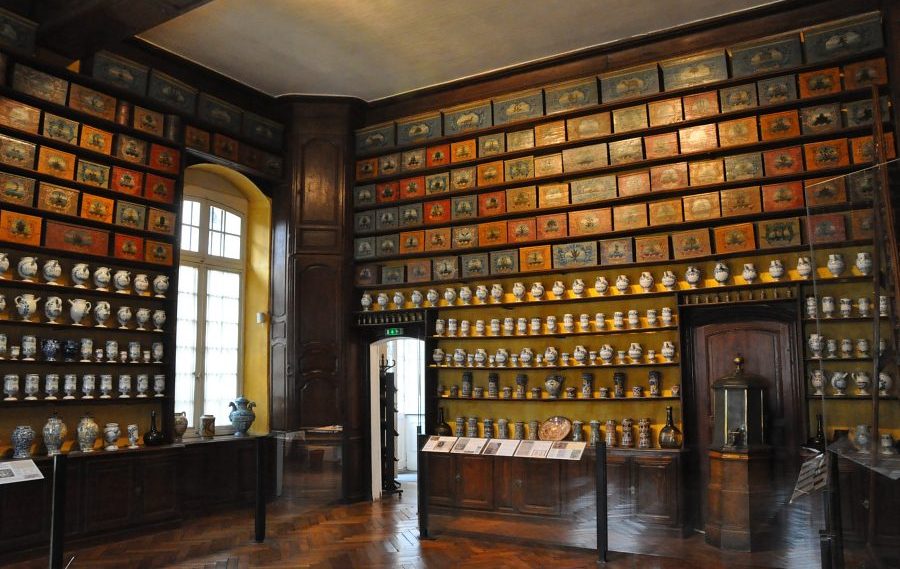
x=656, y=490
x=108, y=498
x=536, y=487
x=475, y=482
x=441, y=479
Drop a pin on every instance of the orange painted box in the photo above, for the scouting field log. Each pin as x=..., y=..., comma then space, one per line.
x=669, y=177
x=690, y=244
x=698, y=138
x=160, y=221
x=56, y=163
x=781, y=197
x=96, y=139
x=861, y=224
x=158, y=252
x=865, y=73
x=58, y=199
x=819, y=82
x=735, y=238
x=537, y=258
x=740, y=201
x=777, y=126
x=492, y=233
x=97, y=208
x=387, y=192
x=521, y=230
x=634, y=183
x=554, y=226
x=412, y=187
x=521, y=199
x=825, y=191
x=701, y=105
x=366, y=169
x=92, y=102
x=665, y=212
x=651, y=248
x=590, y=222
x=783, y=161
x=127, y=181
x=196, y=138
x=437, y=155
x=490, y=173
x=436, y=212
x=19, y=116
x=411, y=242
x=550, y=133
x=553, y=195
x=826, y=154
x=589, y=126
x=75, y=238
x=631, y=216
x=668, y=111
x=227, y=147
x=492, y=203
x=661, y=145
x=826, y=228
x=159, y=188
x=165, y=158
x=737, y=132
x=705, y=172
x=463, y=151
x=699, y=207
x=437, y=239
x=128, y=247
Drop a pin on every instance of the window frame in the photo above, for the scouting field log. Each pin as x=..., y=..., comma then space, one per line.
x=203, y=262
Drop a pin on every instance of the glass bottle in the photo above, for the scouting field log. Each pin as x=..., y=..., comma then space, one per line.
x=153, y=437
x=442, y=429
x=669, y=435
x=819, y=440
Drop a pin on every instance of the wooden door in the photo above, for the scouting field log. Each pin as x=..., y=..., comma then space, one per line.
x=475, y=475
x=656, y=484
x=766, y=337
x=536, y=487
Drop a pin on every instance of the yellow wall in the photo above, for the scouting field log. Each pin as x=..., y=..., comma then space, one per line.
x=256, y=286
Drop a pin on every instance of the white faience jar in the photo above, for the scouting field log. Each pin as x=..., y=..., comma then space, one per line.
x=668, y=351
x=622, y=283
x=465, y=295
x=4, y=264
x=366, y=301
x=551, y=355
x=559, y=289
x=839, y=382
x=432, y=296
x=668, y=280
x=721, y=273
x=804, y=267
x=601, y=285
x=399, y=299
x=416, y=298
x=635, y=351
x=817, y=379
x=80, y=273
x=51, y=271
x=497, y=292
x=501, y=357
x=53, y=307
x=518, y=291
x=537, y=291
x=102, y=277
x=160, y=285
x=606, y=353
x=123, y=316
x=885, y=381
x=102, y=312
x=141, y=283
x=159, y=319
x=481, y=293
x=578, y=287
x=646, y=281
x=749, y=273
x=835, y=264
x=27, y=268
x=526, y=356
x=776, y=269
x=864, y=263
x=382, y=300
x=692, y=276
x=26, y=305
x=863, y=381
x=580, y=354
x=122, y=282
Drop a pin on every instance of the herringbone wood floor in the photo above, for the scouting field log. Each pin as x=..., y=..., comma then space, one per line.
x=367, y=535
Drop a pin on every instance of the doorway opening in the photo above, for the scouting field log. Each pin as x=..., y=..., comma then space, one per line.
x=397, y=368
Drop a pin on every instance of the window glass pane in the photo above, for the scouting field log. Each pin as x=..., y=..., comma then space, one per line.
x=215, y=243
x=232, y=223
x=190, y=214
x=216, y=218
x=186, y=341
x=190, y=226
x=232, y=248
x=221, y=350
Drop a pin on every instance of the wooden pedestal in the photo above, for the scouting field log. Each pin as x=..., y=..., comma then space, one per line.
x=739, y=498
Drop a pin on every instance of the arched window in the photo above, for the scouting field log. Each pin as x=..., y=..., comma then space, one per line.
x=211, y=284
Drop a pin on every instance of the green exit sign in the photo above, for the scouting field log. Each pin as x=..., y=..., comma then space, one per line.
x=394, y=332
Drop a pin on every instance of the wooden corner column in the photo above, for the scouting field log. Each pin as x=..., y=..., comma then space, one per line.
x=739, y=498
x=311, y=385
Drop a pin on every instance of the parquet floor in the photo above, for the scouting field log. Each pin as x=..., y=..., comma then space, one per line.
x=366, y=536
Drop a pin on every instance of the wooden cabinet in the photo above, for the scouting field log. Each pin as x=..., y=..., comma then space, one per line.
x=646, y=487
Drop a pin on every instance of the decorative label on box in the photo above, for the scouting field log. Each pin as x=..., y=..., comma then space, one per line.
x=490, y=173
x=629, y=83
x=148, y=121
x=826, y=154
x=217, y=112
x=409, y=215
x=661, y=145
x=625, y=151
x=364, y=222
x=130, y=215
x=364, y=248
x=616, y=251
x=464, y=236
x=57, y=199
x=196, y=138
x=365, y=275
x=264, y=131
x=850, y=36
x=669, y=176
x=156, y=252
x=128, y=247
x=521, y=230
x=160, y=221
x=388, y=164
x=667, y=111
x=171, y=92
x=634, y=183
x=437, y=155
x=570, y=96
x=386, y=219
x=504, y=262
x=585, y=157
x=392, y=274
x=418, y=129
x=571, y=255
x=92, y=174
x=784, y=196
x=631, y=216
x=518, y=106
x=590, y=222
x=41, y=85
x=493, y=203
x=387, y=193
x=412, y=242
x=464, y=207
x=735, y=238
x=387, y=245
x=375, y=138
x=695, y=70
x=698, y=138
x=820, y=82
x=690, y=244
x=665, y=212
x=743, y=167
x=437, y=183
x=520, y=140
x=521, y=199
x=826, y=228
x=776, y=233
x=50, y=161
x=825, y=191
x=777, y=90
x=548, y=165
x=19, y=116
x=699, y=207
x=491, y=144
x=651, y=248
x=737, y=132
x=418, y=270
x=436, y=211
x=765, y=55
x=159, y=188
x=705, y=172
x=410, y=188
x=538, y=258
x=865, y=73
x=553, y=195
x=65, y=237
x=519, y=169
x=165, y=158
x=19, y=153
x=862, y=225
x=463, y=151
x=630, y=118
x=554, y=226
x=20, y=228
x=445, y=268
x=550, y=133
x=598, y=188
x=589, y=126
x=412, y=160
x=92, y=102
x=135, y=150
x=16, y=189
x=738, y=98
x=492, y=233
x=95, y=139
x=740, y=201
x=472, y=116
x=97, y=208
x=783, y=161
x=701, y=105
x=476, y=265
x=437, y=239
x=820, y=119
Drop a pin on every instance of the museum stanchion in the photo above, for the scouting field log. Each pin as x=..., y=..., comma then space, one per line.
x=422, y=482
x=58, y=512
x=600, y=491
x=830, y=539
x=260, y=522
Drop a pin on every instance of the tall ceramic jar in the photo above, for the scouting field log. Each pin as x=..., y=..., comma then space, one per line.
x=21, y=439
x=87, y=432
x=181, y=425
x=55, y=432
x=242, y=415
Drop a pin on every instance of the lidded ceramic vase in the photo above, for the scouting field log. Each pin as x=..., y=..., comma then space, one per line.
x=54, y=432
x=242, y=415
x=87, y=432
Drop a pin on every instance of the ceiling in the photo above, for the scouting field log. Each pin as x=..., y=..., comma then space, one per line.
x=372, y=49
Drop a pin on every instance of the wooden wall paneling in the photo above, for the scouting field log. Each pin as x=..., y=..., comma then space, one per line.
x=108, y=494
x=891, y=14
x=157, y=477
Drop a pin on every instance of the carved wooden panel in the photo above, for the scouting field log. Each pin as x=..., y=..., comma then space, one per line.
x=319, y=201
x=108, y=497
x=656, y=488
x=536, y=487
x=441, y=479
x=158, y=482
x=474, y=485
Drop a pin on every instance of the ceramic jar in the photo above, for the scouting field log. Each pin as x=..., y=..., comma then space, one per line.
x=537, y=291
x=51, y=271
x=159, y=319
x=667, y=316
x=526, y=356
x=839, y=382
x=816, y=342
x=86, y=433
x=4, y=264
x=721, y=273
x=416, y=298
x=133, y=435
x=551, y=355
x=559, y=289
x=160, y=286
x=635, y=351
x=864, y=263
x=102, y=278
x=54, y=432
x=668, y=351
x=242, y=415
x=21, y=439
x=692, y=276
x=835, y=264
x=27, y=268
x=862, y=438
x=123, y=316
x=382, y=300
x=587, y=385
x=53, y=307
x=78, y=309
x=159, y=385
x=141, y=283
x=749, y=273
x=611, y=433
x=501, y=357
x=601, y=285
x=80, y=274
x=122, y=282
x=580, y=354
x=11, y=387
x=399, y=300
x=646, y=281
x=668, y=280
x=804, y=267
x=553, y=385
x=70, y=385
x=776, y=269
x=606, y=354
x=622, y=283
x=432, y=296
x=465, y=295
x=655, y=380
x=180, y=426
x=481, y=293
x=50, y=349
x=817, y=379
x=828, y=306
x=366, y=301
x=885, y=381
x=578, y=287
x=142, y=316
x=812, y=307
x=111, y=434
x=26, y=305
x=497, y=292
x=862, y=381
x=29, y=347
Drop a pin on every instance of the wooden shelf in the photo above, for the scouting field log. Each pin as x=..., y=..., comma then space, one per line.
x=133, y=400
x=70, y=289
x=842, y=319
x=553, y=368
x=866, y=398
x=101, y=260
x=104, y=364
x=839, y=359
x=604, y=332
x=578, y=399
x=66, y=326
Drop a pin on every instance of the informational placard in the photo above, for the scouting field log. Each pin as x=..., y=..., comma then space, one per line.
x=466, y=445
x=439, y=444
x=19, y=471
x=533, y=449
x=501, y=447
x=566, y=450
